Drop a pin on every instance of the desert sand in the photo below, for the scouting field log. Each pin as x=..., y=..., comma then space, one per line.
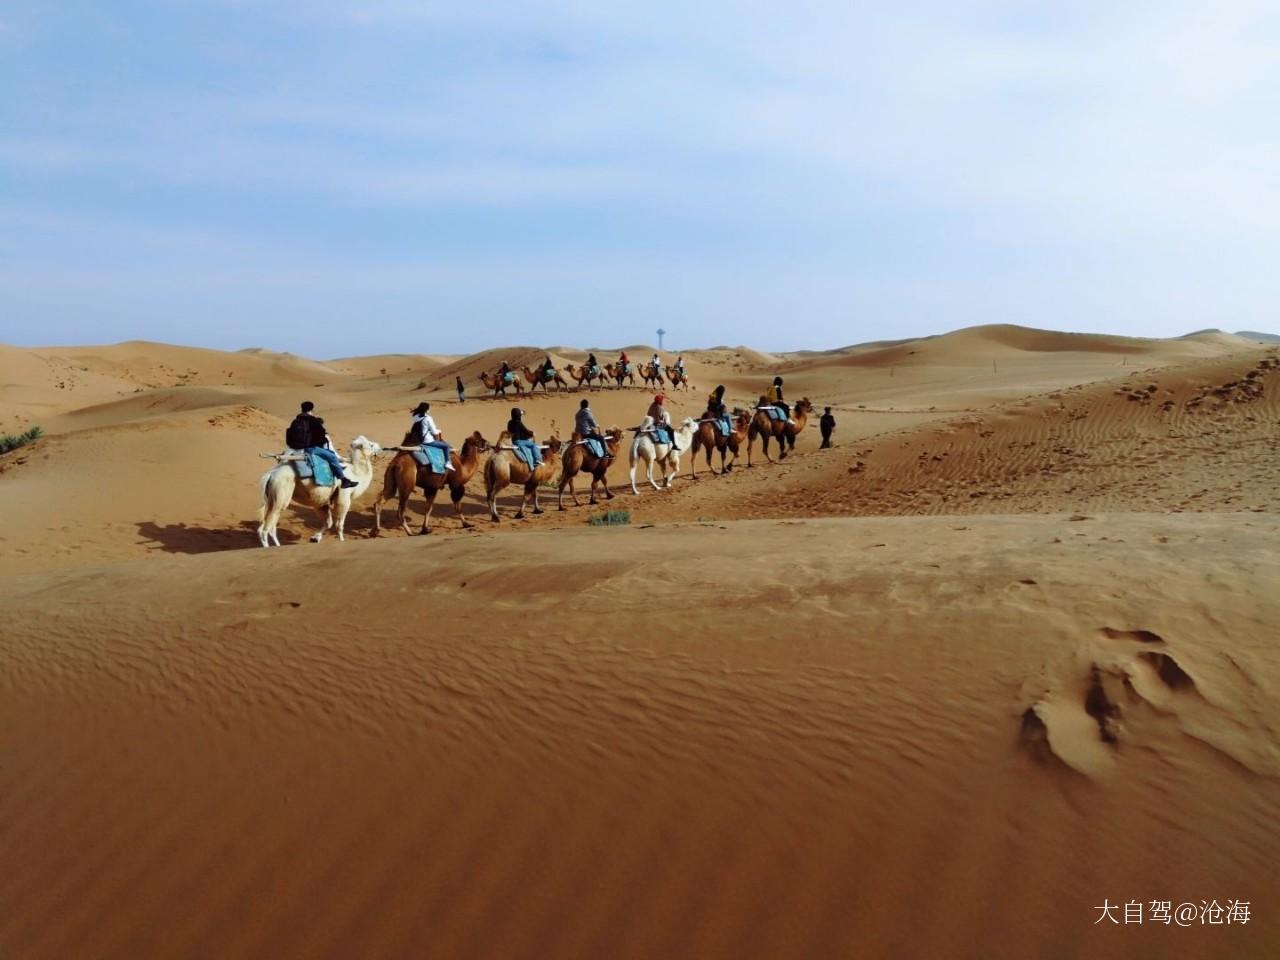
x=1005, y=654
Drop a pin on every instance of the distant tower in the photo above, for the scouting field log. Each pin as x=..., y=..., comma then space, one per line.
x=661, y=333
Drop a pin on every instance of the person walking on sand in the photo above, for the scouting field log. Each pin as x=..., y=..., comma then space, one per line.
x=462, y=391
x=827, y=425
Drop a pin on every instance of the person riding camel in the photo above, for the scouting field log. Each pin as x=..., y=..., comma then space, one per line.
x=680, y=365
x=521, y=434
x=424, y=431
x=662, y=421
x=622, y=362
x=584, y=424
x=548, y=369
x=716, y=400
x=307, y=433
x=655, y=365
x=505, y=374
x=774, y=398
x=593, y=365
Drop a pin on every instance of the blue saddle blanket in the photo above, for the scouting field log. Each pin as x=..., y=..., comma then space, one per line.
x=548, y=373
x=724, y=425
x=434, y=455
x=509, y=377
x=314, y=468
x=775, y=413
x=527, y=450
x=663, y=434
x=596, y=447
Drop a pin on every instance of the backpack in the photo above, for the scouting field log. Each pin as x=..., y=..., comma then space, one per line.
x=298, y=436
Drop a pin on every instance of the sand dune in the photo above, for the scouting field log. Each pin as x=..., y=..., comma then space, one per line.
x=289, y=756
x=1003, y=653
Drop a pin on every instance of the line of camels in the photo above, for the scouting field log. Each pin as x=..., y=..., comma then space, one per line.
x=280, y=486
x=593, y=378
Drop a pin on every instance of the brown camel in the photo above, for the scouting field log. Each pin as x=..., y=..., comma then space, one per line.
x=504, y=468
x=709, y=438
x=678, y=378
x=583, y=373
x=499, y=388
x=651, y=378
x=404, y=473
x=618, y=372
x=578, y=458
x=536, y=381
x=783, y=430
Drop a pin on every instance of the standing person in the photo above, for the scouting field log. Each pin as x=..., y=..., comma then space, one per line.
x=584, y=424
x=308, y=434
x=462, y=391
x=827, y=424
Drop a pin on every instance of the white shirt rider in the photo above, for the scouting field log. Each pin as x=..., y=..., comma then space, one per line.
x=430, y=432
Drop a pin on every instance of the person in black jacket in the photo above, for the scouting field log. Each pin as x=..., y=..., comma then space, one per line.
x=308, y=433
x=520, y=432
x=716, y=400
x=827, y=425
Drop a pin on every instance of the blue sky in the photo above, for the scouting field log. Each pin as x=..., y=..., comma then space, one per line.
x=337, y=177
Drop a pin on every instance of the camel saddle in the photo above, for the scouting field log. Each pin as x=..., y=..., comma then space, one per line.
x=434, y=455
x=311, y=467
x=724, y=425
x=527, y=450
x=775, y=413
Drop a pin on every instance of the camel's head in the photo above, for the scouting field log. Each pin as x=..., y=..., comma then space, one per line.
x=804, y=405
x=688, y=423
x=614, y=435
x=480, y=442
x=554, y=445
x=363, y=446
x=569, y=367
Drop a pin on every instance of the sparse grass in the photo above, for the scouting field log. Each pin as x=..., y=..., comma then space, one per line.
x=13, y=441
x=611, y=518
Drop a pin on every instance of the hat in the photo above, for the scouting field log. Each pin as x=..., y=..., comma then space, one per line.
x=307, y=406
x=777, y=381
x=516, y=413
x=659, y=398
x=421, y=408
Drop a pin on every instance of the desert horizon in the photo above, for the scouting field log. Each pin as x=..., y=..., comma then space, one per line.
x=1000, y=657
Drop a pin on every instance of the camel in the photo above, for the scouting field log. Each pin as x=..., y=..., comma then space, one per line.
x=280, y=487
x=678, y=378
x=504, y=468
x=536, y=381
x=709, y=438
x=499, y=388
x=645, y=448
x=650, y=377
x=583, y=373
x=618, y=372
x=578, y=458
x=765, y=428
x=404, y=473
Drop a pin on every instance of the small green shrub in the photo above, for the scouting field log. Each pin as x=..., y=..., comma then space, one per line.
x=611, y=518
x=14, y=441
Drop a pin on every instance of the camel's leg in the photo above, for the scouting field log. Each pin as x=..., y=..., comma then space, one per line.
x=591, y=500
x=537, y=509
x=426, y=517
x=650, y=474
x=402, y=511
x=633, y=479
x=340, y=520
x=456, y=494
x=604, y=482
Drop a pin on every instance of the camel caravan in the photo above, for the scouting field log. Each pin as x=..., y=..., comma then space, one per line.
x=621, y=373
x=309, y=473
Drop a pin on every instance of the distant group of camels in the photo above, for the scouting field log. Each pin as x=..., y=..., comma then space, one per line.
x=593, y=378
x=281, y=486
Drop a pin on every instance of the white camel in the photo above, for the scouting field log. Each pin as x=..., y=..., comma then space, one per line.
x=645, y=448
x=280, y=486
